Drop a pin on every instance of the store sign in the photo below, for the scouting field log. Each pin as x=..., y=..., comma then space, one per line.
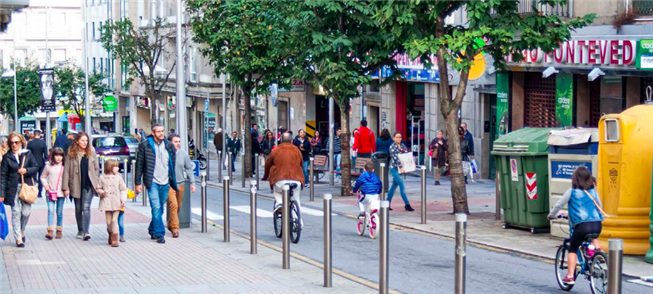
x=414, y=70
x=582, y=53
x=564, y=101
x=503, y=92
x=109, y=103
x=565, y=169
x=644, y=54
x=297, y=86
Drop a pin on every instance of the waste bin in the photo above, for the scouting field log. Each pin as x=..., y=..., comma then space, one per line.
x=377, y=159
x=569, y=149
x=521, y=158
x=624, y=179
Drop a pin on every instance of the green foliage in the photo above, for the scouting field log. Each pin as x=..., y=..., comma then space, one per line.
x=28, y=90
x=70, y=85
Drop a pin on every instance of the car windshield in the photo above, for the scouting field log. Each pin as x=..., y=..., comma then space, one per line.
x=109, y=142
x=131, y=140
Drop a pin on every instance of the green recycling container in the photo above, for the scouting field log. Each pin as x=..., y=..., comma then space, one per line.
x=522, y=163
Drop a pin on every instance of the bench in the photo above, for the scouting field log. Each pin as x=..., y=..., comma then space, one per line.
x=360, y=164
x=319, y=161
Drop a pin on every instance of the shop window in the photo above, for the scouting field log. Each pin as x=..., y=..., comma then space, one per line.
x=539, y=94
x=595, y=103
x=612, y=94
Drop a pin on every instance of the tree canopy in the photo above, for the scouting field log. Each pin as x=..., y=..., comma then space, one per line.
x=28, y=90
x=70, y=85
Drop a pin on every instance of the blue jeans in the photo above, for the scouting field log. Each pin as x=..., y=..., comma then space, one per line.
x=83, y=211
x=338, y=159
x=58, y=204
x=158, y=195
x=397, y=181
x=121, y=223
x=233, y=162
x=305, y=169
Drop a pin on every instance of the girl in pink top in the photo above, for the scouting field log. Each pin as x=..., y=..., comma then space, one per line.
x=51, y=179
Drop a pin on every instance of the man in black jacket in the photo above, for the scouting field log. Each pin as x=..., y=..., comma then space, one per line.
x=256, y=149
x=40, y=152
x=304, y=146
x=155, y=167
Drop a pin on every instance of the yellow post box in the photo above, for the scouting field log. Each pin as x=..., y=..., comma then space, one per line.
x=624, y=177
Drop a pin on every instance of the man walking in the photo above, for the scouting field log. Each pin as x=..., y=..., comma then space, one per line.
x=470, y=141
x=256, y=149
x=364, y=142
x=233, y=146
x=40, y=151
x=183, y=171
x=155, y=167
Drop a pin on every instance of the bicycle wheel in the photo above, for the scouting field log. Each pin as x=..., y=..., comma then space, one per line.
x=599, y=273
x=360, y=226
x=561, y=268
x=373, y=228
x=295, y=222
x=276, y=219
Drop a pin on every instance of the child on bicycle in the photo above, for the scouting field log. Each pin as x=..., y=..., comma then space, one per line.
x=369, y=184
x=585, y=215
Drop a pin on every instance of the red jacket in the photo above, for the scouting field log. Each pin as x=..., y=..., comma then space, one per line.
x=364, y=141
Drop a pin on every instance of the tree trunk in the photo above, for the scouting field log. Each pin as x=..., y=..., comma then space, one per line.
x=345, y=167
x=247, y=92
x=458, y=187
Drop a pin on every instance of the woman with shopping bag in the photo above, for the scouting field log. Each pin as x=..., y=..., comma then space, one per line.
x=398, y=151
x=438, y=153
x=465, y=150
x=17, y=189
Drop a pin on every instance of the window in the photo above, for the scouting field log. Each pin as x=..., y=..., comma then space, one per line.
x=109, y=142
x=100, y=29
x=193, y=65
x=102, y=66
x=94, y=65
x=93, y=30
x=611, y=130
x=153, y=10
x=59, y=55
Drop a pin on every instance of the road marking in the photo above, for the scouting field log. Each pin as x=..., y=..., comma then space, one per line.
x=259, y=212
x=640, y=282
x=313, y=212
x=209, y=214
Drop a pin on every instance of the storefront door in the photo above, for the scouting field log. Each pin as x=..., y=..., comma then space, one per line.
x=540, y=100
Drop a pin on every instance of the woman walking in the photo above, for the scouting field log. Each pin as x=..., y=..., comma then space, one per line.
x=80, y=177
x=465, y=150
x=17, y=163
x=317, y=144
x=384, y=142
x=51, y=179
x=438, y=151
x=113, y=194
x=395, y=169
x=268, y=144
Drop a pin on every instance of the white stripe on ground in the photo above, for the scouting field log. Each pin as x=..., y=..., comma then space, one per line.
x=313, y=212
x=640, y=282
x=259, y=212
x=209, y=214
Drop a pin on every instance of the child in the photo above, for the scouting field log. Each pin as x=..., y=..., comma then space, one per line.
x=51, y=179
x=369, y=184
x=113, y=194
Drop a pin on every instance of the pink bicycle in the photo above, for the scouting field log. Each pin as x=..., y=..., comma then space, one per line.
x=370, y=220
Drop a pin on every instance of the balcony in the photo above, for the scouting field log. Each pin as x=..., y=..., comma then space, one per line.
x=530, y=6
x=641, y=7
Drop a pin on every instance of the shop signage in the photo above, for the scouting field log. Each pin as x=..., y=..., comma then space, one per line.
x=109, y=103
x=414, y=70
x=297, y=86
x=503, y=92
x=644, y=59
x=582, y=53
x=564, y=99
x=565, y=169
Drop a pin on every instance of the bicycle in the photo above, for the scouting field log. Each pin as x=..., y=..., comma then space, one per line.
x=370, y=219
x=592, y=264
x=295, y=218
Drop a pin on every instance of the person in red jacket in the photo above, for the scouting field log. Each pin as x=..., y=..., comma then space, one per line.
x=364, y=142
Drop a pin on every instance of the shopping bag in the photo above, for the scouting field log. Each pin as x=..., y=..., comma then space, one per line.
x=4, y=223
x=474, y=166
x=407, y=162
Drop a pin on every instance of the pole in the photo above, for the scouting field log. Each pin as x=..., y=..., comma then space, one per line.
x=204, y=203
x=224, y=115
x=285, y=227
x=219, y=164
x=312, y=188
x=243, y=171
x=423, y=194
x=16, y=127
x=208, y=163
x=331, y=137
x=87, y=98
x=362, y=102
x=181, y=84
x=383, y=248
x=328, y=271
x=383, y=187
x=134, y=177
x=461, y=228
x=615, y=265
x=225, y=201
x=419, y=139
x=125, y=166
x=48, y=127
x=256, y=159
x=497, y=203
x=230, y=163
x=252, y=223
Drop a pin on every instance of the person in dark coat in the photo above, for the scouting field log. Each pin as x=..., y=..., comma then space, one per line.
x=438, y=151
x=40, y=152
x=256, y=149
x=304, y=147
x=61, y=140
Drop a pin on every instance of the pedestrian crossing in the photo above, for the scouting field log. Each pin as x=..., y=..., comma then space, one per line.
x=263, y=213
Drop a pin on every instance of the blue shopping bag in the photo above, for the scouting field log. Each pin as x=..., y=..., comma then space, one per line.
x=4, y=223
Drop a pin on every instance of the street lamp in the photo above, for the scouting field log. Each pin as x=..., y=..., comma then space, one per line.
x=9, y=74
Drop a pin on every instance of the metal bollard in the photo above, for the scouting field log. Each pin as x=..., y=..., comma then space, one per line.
x=383, y=247
x=285, y=227
x=311, y=179
x=328, y=271
x=423, y=194
x=208, y=164
x=229, y=164
x=252, y=224
x=256, y=159
x=134, y=178
x=225, y=201
x=243, y=179
x=497, y=202
x=615, y=265
x=461, y=253
x=204, y=202
x=124, y=166
x=102, y=161
x=219, y=164
x=382, y=181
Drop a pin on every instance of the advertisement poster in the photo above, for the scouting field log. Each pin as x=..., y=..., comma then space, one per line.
x=47, y=89
x=644, y=55
x=564, y=99
x=503, y=91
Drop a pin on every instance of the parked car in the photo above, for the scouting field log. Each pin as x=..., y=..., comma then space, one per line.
x=132, y=143
x=113, y=146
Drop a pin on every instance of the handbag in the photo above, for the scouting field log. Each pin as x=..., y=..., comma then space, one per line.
x=28, y=193
x=4, y=223
x=54, y=194
x=597, y=205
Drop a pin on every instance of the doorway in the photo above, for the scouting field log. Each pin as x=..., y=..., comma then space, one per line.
x=282, y=114
x=322, y=115
x=373, y=121
x=493, y=133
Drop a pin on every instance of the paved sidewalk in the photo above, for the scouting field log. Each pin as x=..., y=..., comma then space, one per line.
x=193, y=263
x=482, y=228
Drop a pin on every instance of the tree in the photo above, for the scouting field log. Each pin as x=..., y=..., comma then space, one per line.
x=70, y=85
x=28, y=90
x=249, y=41
x=505, y=31
x=142, y=50
x=344, y=44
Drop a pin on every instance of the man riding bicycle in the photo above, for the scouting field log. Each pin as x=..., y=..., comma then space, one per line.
x=284, y=167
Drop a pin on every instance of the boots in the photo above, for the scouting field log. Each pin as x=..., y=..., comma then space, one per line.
x=408, y=207
x=59, y=232
x=109, y=239
x=114, y=240
x=49, y=234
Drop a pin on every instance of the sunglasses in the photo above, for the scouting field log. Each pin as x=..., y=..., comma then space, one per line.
x=14, y=142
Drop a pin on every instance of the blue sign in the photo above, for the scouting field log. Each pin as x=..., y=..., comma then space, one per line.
x=196, y=167
x=419, y=75
x=565, y=169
